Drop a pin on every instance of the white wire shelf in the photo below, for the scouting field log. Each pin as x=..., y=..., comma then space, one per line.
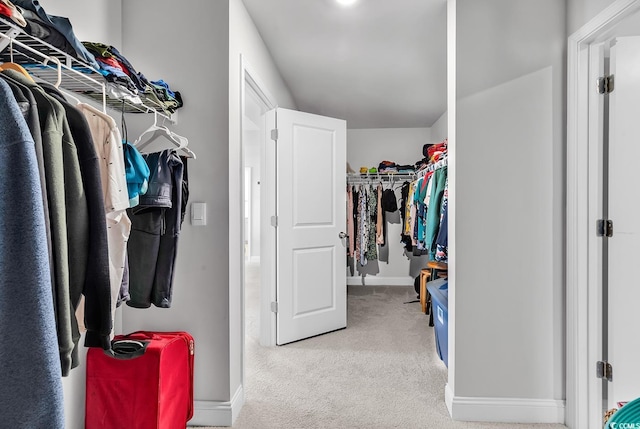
x=371, y=178
x=41, y=60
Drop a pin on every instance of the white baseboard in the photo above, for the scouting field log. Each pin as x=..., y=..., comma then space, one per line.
x=215, y=413
x=379, y=281
x=504, y=410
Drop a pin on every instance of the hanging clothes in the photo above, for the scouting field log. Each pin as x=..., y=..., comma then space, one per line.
x=29, y=108
x=379, y=217
x=356, y=223
x=371, y=219
x=60, y=165
x=442, y=241
x=405, y=239
x=185, y=187
x=388, y=204
x=108, y=145
x=434, y=212
x=136, y=172
x=156, y=223
x=350, y=224
x=31, y=395
x=363, y=227
x=96, y=278
x=414, y=213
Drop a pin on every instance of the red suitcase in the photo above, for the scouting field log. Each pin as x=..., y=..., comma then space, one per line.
x=145, y=382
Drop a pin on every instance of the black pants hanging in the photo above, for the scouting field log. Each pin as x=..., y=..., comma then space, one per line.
x=152, y=246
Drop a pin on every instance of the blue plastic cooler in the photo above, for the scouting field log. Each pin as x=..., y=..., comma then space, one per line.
x=440, y=306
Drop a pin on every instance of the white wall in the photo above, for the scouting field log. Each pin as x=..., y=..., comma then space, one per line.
x=579, y=12
x=439, y=130
x=194, y=63
x=243, y=39
x=367, y=148
x=92, y=20
x=507, y=202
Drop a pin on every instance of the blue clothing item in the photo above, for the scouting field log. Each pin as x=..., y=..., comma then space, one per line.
x=442, y=240
x=31, y=395
x=421, y=212
x=112, y=74
x=110, y=69
x=63, y=25
x=46, y=32
x=434, y=211
x=137, y=172
x=161, y=83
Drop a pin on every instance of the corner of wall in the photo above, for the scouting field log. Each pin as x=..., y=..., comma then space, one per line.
x=505, y=410
x=215, y=413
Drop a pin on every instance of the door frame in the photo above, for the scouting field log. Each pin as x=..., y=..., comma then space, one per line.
x=249, y=78
x=583, y=390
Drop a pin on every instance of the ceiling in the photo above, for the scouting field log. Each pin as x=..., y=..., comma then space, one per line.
x=377, y=64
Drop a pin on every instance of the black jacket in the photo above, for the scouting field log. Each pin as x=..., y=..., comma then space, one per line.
x=97, y=289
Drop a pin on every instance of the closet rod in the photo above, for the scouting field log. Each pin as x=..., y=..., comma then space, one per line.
x=378, y=177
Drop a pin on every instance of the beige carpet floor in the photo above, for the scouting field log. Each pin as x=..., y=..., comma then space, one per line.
x=381, y=372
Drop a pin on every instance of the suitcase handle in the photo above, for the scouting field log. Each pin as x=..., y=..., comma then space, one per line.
x=127, y=349
x=143, y=335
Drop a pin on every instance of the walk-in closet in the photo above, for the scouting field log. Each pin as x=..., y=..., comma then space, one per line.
x=310, y=211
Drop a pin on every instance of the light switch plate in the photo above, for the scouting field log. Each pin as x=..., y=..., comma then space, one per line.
x=198, y=214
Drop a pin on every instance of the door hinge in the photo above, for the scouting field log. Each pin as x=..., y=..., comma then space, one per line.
x=604, y=370
x=605, y=84
x=274, y=307
x=604, y=228
x=274, y=221
x=274, y=134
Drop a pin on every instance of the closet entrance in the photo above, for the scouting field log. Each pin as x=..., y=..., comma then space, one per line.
x=302, y=218
x=602, y=143
x=621, y=344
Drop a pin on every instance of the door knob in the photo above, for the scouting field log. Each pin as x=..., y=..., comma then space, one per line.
x=342, y=235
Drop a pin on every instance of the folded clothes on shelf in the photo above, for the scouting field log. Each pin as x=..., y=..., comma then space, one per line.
x=117, y=69
x=37, y=20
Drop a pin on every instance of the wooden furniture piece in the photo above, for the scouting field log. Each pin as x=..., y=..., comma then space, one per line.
x=433, y=271
x=425, y=275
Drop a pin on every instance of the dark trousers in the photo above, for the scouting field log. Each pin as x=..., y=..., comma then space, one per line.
x=152, y=246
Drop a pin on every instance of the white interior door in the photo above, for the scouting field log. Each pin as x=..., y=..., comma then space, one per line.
x=311, y=210
x=624, y=211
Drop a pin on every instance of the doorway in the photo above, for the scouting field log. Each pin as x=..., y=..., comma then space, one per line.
x=597, y=285
x=258, y=239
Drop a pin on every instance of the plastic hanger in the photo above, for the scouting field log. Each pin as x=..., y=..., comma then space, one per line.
x=16, y=67
x=59, y=77
x=189, y=153
x=156, y=131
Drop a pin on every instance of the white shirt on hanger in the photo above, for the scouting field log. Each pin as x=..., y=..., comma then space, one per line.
x=108, y=144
